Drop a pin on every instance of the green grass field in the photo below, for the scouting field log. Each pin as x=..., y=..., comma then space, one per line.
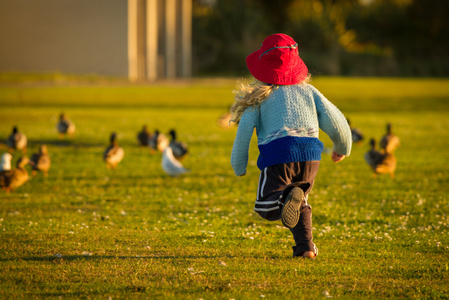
x=89, y=232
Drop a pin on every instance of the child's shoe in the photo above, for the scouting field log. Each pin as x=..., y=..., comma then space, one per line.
x=306, y=254
x=291, y=210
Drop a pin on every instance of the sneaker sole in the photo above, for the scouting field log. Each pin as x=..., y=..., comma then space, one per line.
x=290, y=212
x=314, y=251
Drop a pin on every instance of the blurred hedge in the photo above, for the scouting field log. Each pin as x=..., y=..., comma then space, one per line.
x=346, y=37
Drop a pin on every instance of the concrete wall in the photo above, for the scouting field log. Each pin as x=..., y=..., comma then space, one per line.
x=69, y=36
x=159, y=39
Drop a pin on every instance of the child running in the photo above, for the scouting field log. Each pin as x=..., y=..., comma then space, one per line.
x=287, y=114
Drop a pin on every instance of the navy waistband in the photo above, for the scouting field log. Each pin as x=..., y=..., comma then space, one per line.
x=289, y=149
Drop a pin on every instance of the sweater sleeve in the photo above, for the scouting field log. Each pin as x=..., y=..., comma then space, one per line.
x=333, y=123
x=239, y=156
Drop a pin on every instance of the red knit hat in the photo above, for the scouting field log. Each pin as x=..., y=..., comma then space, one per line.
x=277, y=61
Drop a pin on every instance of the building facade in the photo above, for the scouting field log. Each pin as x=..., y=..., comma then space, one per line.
x=140, y=39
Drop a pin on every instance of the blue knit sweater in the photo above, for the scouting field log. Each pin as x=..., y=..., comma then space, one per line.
x=287, y=125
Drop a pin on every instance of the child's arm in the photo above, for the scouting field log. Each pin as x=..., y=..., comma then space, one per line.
x=239, y=156
x=334, y=124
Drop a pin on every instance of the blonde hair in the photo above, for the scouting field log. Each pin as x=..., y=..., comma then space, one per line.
x=252, y=95
x=249, y=95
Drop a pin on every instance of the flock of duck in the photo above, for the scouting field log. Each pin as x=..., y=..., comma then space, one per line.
x=382, y=161
x=173, y=151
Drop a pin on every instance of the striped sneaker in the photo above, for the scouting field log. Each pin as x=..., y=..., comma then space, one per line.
x=291, y=209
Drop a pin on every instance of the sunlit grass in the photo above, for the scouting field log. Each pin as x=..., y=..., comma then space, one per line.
x=86, y=231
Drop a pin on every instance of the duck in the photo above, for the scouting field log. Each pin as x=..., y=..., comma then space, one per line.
x=380, y=163
x=389, y=142
x=11, y=180
x=5, y=168
x=357, y=135
x=224, y=121
x=143, y=137
x=65, y=126
x=387, y=165
x=373, y=157
x=171, y=166
x=17, y=140
x=5, y=162
x=179, y=149
x=113, y=153
x=156, y=141
x=40, y=161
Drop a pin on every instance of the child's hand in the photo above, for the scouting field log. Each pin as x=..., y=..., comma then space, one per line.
x=337, y=157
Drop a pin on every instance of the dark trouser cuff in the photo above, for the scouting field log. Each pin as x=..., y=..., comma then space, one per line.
x=299, y=249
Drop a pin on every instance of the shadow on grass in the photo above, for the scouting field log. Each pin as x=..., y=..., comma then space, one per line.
x=65, y=143
x=57, y=259
x=81, y=144
x=114, y=175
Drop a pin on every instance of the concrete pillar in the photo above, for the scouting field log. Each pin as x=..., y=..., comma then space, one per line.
x=152, y=39
x=132, y=41
x=186, y=38
x=141, y=40
x=159, y=39
x=170, y=38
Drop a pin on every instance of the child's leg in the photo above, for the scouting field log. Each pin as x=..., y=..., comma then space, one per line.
x=269, y=192
x=275, y=183
x=302, y=232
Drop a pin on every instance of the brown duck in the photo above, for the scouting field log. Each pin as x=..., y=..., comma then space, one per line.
x=156, y=141
x=14, y=178
x=17, y=140
x=113, y=153
x=389, y=142
x=65, y=126
x=380, y=162
x=179, y=149
x=224, y=120
x=357, y=135
x=40, y=161
x=143, y=137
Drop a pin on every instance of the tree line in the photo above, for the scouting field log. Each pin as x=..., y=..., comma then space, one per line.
x=335, y=37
